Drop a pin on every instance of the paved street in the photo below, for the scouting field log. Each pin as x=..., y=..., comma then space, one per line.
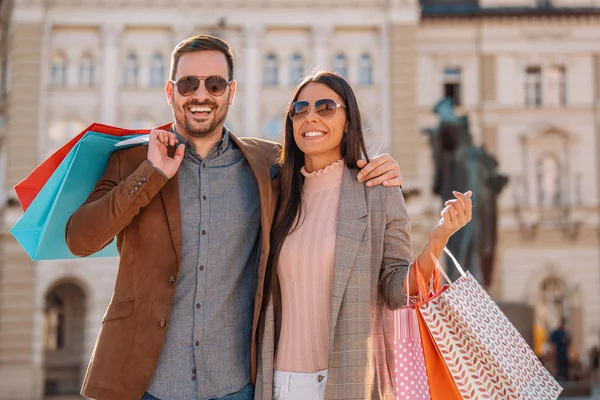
x=595, y=395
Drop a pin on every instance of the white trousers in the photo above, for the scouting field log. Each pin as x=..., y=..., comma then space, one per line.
x=299, y=386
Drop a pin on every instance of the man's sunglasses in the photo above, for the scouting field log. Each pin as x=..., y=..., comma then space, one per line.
x=324, y=108
x=215, y=85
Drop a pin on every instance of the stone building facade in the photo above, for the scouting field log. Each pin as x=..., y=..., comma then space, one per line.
x=527, y=75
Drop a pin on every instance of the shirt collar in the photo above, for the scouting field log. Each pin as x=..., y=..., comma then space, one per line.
x=219, y=148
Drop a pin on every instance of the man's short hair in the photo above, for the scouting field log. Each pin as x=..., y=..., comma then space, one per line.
x=201, y=43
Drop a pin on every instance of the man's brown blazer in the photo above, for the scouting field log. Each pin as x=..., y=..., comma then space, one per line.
x=136, y=204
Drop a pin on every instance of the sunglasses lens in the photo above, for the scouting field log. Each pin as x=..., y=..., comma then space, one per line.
x=299, y=110
x=188, y=85
x=215, y=85
x=325, y=108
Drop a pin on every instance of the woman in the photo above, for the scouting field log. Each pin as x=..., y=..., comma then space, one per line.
x=340, y=253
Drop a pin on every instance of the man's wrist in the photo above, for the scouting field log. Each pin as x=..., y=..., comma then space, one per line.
x=158, y=169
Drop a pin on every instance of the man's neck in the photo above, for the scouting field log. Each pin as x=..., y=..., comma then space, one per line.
x=204, y=144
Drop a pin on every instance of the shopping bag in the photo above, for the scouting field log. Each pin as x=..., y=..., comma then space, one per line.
x=410, y=374
x=41, y=229
x=485, y=354
x=441, y=383
x=29, y=187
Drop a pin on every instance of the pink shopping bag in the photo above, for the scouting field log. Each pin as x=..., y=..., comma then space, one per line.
x=411, y=375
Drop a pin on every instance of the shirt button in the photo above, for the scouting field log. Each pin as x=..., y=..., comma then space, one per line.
x=193, y=378
x=203, y=197
x=197, y=343
x=197, y=305
x=194, y=371
x=172, y=279
x=203, y=232
x=320, y=378
x=163, y=323
x=201, y=268
x=203, y=165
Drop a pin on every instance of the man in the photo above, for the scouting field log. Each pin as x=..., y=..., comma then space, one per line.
x=192, y=215
x=561, y=340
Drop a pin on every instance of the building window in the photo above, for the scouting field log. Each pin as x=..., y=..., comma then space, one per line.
x=365, y=70
x=296, y=69
x=142, y=123
x=557, y=86
x=157, y=71
x=452, y=85
x=63, y=130
x=130, y=73
x=86, y=71
x=340, y=65
x=274, y=130
x=533, y=86
x=59, y=70
x=271, y=70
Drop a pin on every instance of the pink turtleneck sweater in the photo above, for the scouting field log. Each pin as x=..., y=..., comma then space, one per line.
x=305, y=271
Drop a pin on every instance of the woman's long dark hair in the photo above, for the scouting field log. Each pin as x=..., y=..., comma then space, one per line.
x=289, y=209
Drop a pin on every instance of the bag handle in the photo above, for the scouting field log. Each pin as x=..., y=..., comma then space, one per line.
x=439, y=266
x=423, y=292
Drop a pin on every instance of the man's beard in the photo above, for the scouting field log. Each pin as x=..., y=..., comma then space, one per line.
x=198, y=132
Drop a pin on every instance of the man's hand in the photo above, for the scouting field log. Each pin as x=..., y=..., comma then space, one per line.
x=157, y=152
x=382, y=169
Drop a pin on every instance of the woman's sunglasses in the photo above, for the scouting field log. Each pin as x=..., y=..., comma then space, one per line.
x=215, y=85
x=324, y=108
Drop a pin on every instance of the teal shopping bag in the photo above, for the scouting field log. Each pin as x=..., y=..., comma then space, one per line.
x=41, y=229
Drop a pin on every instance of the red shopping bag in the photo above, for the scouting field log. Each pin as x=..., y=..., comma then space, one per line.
x=29, y=187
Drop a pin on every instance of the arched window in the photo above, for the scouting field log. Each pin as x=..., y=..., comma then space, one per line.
x=340, y=65
x=157, y=71
x=59, y=70
x=296, y=69
x=365, y=70
x=271, y=70
x=130, y=72
x=86, y=71
x=63, y=338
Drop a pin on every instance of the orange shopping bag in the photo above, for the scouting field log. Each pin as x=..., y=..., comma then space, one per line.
x=441, y=383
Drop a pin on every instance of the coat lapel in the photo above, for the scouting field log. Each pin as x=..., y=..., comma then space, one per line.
x=170, y=197
x=351, y=226
x=261, y=168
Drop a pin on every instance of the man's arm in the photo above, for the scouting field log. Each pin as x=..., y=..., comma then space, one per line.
x=114, y=202
x=111, y=206
x=381, y=170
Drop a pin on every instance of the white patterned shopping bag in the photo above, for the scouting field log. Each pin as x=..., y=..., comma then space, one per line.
x=485, y=354
x=410, y=373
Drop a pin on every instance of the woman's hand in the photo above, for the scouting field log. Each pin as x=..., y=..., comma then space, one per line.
x=456, y=214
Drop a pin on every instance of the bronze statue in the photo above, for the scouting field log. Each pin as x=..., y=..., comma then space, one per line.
x=461, y=166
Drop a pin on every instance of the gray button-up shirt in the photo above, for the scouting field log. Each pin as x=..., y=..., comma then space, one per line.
x=206, y=353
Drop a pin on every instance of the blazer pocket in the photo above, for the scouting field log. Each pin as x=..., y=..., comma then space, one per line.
x=118, y=310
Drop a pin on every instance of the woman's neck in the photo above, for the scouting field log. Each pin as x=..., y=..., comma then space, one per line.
x=315, y=163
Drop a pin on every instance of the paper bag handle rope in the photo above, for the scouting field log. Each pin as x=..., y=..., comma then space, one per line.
x=422, y=285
